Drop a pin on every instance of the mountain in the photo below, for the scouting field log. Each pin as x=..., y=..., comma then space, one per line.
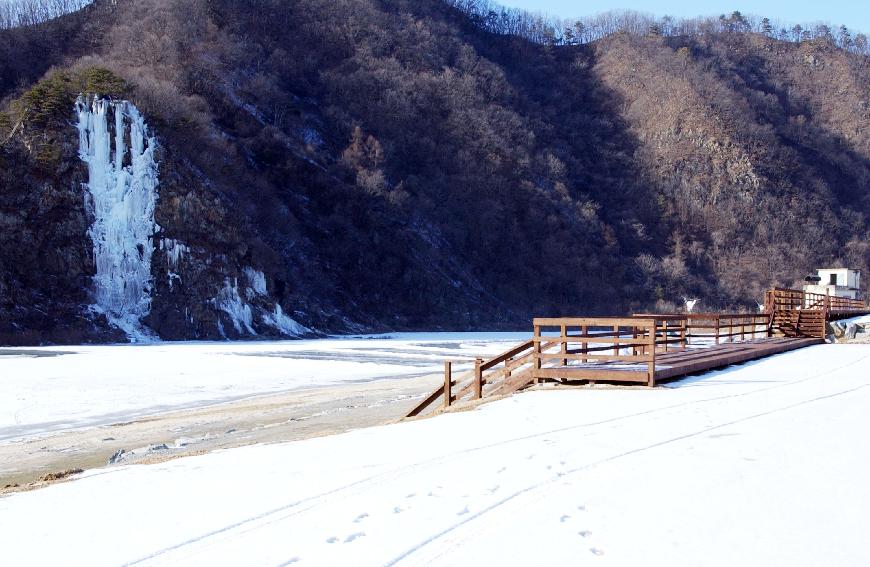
x=363, y=165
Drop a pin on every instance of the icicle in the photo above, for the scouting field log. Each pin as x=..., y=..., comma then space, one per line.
x=256, y=282
x=123, y=199
x=283, y=323
x=175, y=251
x=229, y=301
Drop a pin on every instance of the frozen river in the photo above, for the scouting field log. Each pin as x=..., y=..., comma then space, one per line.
x=46, y=390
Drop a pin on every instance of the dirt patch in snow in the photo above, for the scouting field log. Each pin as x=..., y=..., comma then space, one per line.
x=290, y=416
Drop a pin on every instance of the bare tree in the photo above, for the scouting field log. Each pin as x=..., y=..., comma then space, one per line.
x=544, y=29
x=20, y=13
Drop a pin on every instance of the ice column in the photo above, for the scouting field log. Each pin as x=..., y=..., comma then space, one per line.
x=122, y=185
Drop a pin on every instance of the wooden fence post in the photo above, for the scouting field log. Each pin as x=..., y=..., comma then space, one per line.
x=718, y=324
x=536, y=356
x=584, y=330
x=616, y=343
x=448, y=379
x=634, y=336
x=564, y=331
x=651, y=365
x=478, y=379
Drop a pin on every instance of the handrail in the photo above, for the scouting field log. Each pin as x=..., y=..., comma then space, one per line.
x=473, y=381
x=784, y=299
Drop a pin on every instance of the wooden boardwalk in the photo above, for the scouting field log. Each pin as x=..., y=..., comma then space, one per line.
x=644, y=349
x=677, y=364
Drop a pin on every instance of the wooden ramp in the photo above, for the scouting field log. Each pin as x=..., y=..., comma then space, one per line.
x=641, y=350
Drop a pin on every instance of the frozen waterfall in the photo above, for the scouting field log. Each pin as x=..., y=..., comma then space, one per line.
x=122, y=186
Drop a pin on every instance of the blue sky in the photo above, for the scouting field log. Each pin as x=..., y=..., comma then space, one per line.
x=854, y=13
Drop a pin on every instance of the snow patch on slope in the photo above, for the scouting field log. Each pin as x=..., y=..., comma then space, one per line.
x=122, y=189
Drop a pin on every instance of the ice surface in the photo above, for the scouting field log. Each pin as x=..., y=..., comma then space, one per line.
x=49, y=389
x=122, y=189
x=762, y=464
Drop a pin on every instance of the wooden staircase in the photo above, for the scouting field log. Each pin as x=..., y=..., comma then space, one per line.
x=799, y=323
x=509, y=372
x=798, y=314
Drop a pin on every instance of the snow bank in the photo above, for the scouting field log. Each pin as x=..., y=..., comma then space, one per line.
x=763, y=464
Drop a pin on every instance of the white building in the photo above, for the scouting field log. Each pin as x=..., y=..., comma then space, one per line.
x=836, y=282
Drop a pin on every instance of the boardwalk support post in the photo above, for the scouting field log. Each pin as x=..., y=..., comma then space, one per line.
x=448, y=382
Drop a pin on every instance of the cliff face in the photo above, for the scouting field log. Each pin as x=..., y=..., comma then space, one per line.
x=328, y=166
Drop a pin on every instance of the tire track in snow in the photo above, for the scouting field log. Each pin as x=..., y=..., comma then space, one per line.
x=283, y=512
x=527, y=491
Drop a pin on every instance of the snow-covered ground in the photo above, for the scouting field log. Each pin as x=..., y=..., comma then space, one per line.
x=51, y=389
x=764, y=464
x=860, y=320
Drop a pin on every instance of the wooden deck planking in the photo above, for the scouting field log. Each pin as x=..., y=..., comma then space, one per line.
x=726, y=355
x=678, y=362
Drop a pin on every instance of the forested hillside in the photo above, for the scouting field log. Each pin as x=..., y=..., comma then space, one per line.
x=404, y=164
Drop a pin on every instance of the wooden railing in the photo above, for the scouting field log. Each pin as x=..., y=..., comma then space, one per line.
x=584, y=343
x=579, y=348
x=503, y=374
x=784, y=299
x=632, y=343
x=727, y=327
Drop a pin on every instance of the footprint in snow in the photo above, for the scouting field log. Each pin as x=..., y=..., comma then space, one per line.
x=333, y=539
x=584, y=533
x=581, y=507
x=501, y=470
x=352, y=537
x=361, y=517
x=413, y=494
x=563, y=518
x=290, y=561
x=596, y=551
x=494, y=489
x=462, y=512
x=397, y=510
